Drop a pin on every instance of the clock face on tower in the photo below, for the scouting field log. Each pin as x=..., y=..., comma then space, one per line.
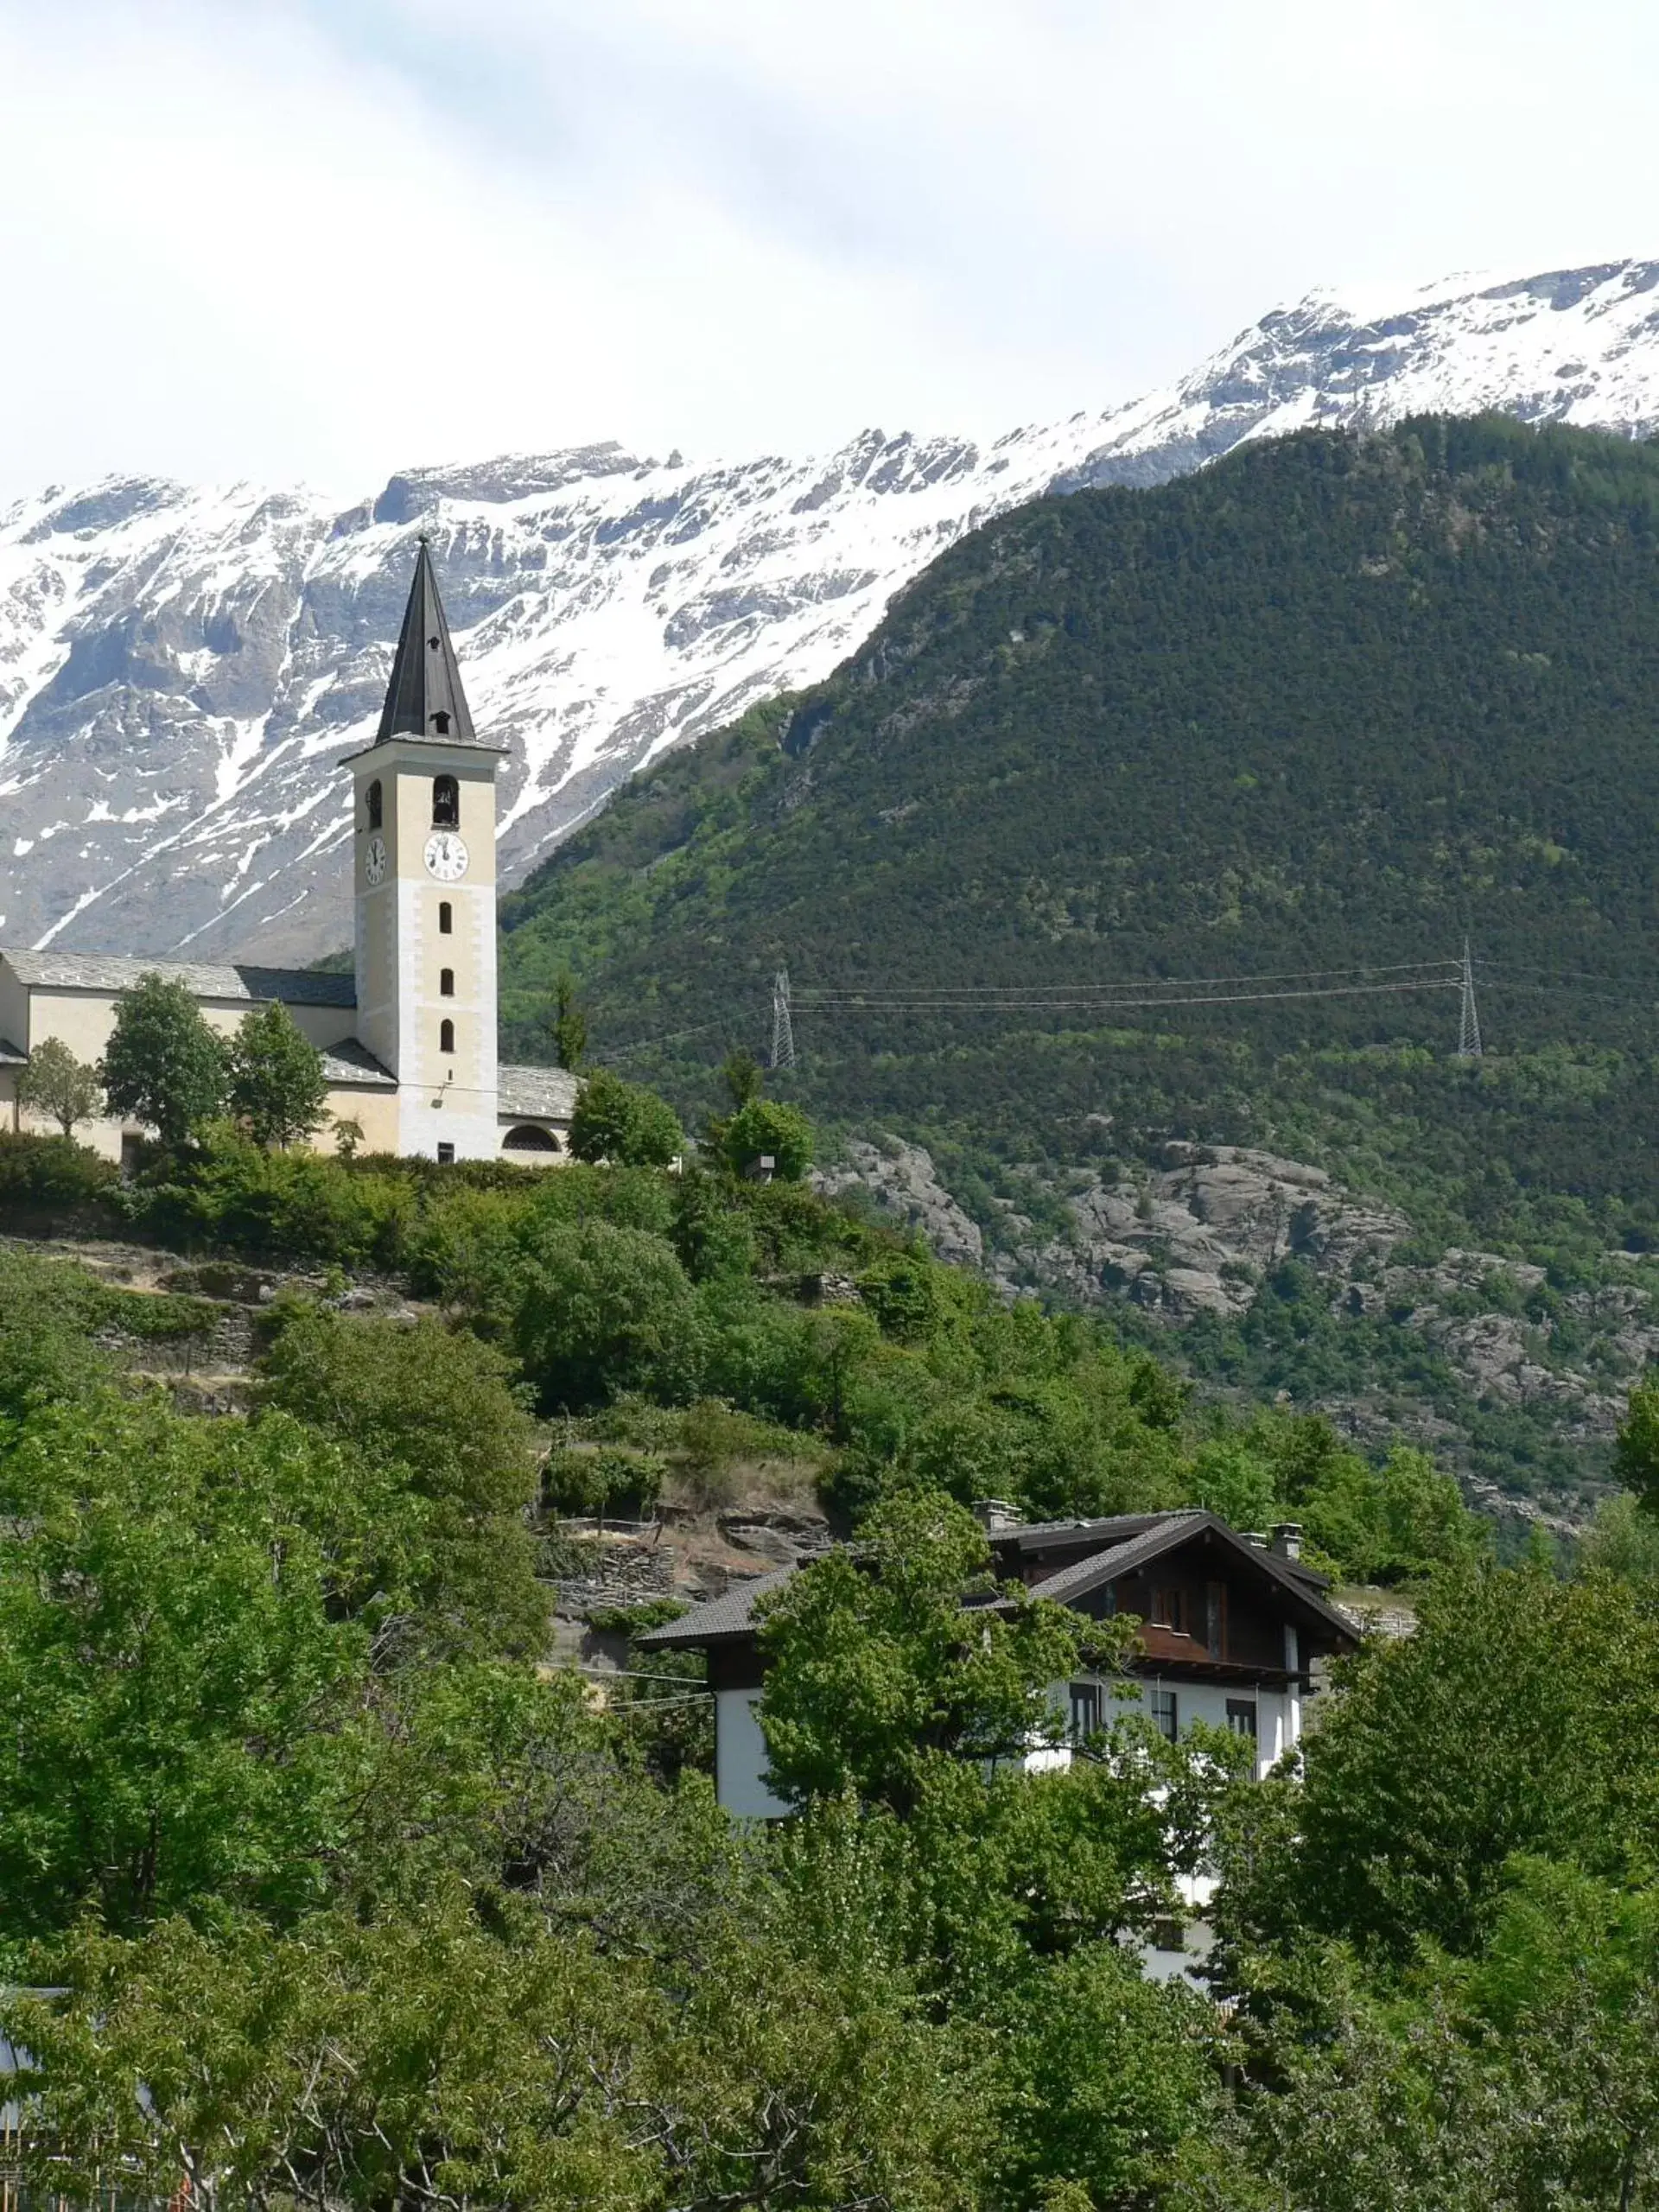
x=374, y=860
x=446, y=856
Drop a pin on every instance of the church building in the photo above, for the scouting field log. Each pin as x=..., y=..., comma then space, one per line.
x=409, y=1039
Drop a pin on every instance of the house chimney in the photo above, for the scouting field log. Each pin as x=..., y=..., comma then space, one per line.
x=1287, y=1539
x=994, y=1513
x=1258, y=1537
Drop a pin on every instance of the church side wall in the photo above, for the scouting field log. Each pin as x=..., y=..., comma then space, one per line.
x=85, y=1019
x=14, y=1009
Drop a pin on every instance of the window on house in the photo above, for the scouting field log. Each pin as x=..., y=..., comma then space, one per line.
x=445, y=803
x=446, y=1155
x=1164, y=1714
x=440, y=723
x=373, y=795
x=1169, y=1610
x=446, y=982
x=1086, y=1716
x=446, y=1036
x=1241, y=1716
x=446, y=919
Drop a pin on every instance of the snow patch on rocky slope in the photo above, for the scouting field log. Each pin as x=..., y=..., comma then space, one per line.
x=179, y=668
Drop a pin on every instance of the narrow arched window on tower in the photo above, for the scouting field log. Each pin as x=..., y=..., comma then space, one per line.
x=373, y=798
x=446, y=919
x=446, y=982
x=445, y=803
x=446, y=1036
x=440, y=724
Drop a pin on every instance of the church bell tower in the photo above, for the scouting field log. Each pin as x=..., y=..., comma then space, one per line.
x=423, y=856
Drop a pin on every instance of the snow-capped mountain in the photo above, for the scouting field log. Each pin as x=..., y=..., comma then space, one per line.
x=179, y=668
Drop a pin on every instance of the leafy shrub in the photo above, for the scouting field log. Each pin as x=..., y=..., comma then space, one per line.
x=52, y=1175
x=621, y=1122
x=604, y=1308
x=603, y=1482
x=766, y=1128
x=298, y=1205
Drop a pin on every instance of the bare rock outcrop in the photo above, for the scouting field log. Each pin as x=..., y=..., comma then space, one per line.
x=905, y=1184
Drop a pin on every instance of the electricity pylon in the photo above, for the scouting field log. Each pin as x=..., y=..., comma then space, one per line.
x=782, y=1029
x=1469, y=1013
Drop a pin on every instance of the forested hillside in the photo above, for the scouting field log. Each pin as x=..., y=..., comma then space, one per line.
x=329, y=1876
x=1318, y=711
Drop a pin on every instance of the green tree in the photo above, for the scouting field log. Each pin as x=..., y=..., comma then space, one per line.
x=601, y=1310
x=163, y=1064
x=765, y=1127
x=712, y=1236
x=741, y=1073
x=183, y=1696
x=621, y=1124
x=275, y=1082
x=435, y=1410
x=1521, y=1716
x=569, y=1021
x=1393, y=1523
x=1636, y=1457
x=55, y=1084
x=880, y=1662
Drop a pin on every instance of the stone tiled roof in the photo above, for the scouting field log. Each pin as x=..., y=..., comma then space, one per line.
x=537, y=1094
x=351, y=1063
x=724, y=1617
x=109, y=971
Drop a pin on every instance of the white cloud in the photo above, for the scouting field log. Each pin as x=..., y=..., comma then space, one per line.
x=322, y=237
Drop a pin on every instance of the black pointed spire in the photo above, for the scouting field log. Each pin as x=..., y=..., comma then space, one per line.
x=424, y=698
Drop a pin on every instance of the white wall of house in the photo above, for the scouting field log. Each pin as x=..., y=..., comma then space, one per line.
x=740, y=1758
x=1278, y=1712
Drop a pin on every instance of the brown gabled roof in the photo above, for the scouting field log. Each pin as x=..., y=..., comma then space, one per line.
x=1171, y=1533
x=1148, y=1537
x=1146, y=1543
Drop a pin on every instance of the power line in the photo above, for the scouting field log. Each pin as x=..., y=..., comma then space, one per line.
x=1101, y=1005
x=944, y=991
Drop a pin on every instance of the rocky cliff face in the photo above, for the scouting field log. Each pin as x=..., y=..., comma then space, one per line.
x=181, y=668
x=1202, y=1233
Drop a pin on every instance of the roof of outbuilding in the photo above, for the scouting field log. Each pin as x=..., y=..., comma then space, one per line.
x=537, y=1094
x=354, y=1066
x=110, y=971
x=721, y=1619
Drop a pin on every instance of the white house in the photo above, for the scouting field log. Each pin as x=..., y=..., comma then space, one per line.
x=409, y=1039
x=1231, y=1627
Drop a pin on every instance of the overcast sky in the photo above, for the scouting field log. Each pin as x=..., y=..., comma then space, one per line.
x=318, y=239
